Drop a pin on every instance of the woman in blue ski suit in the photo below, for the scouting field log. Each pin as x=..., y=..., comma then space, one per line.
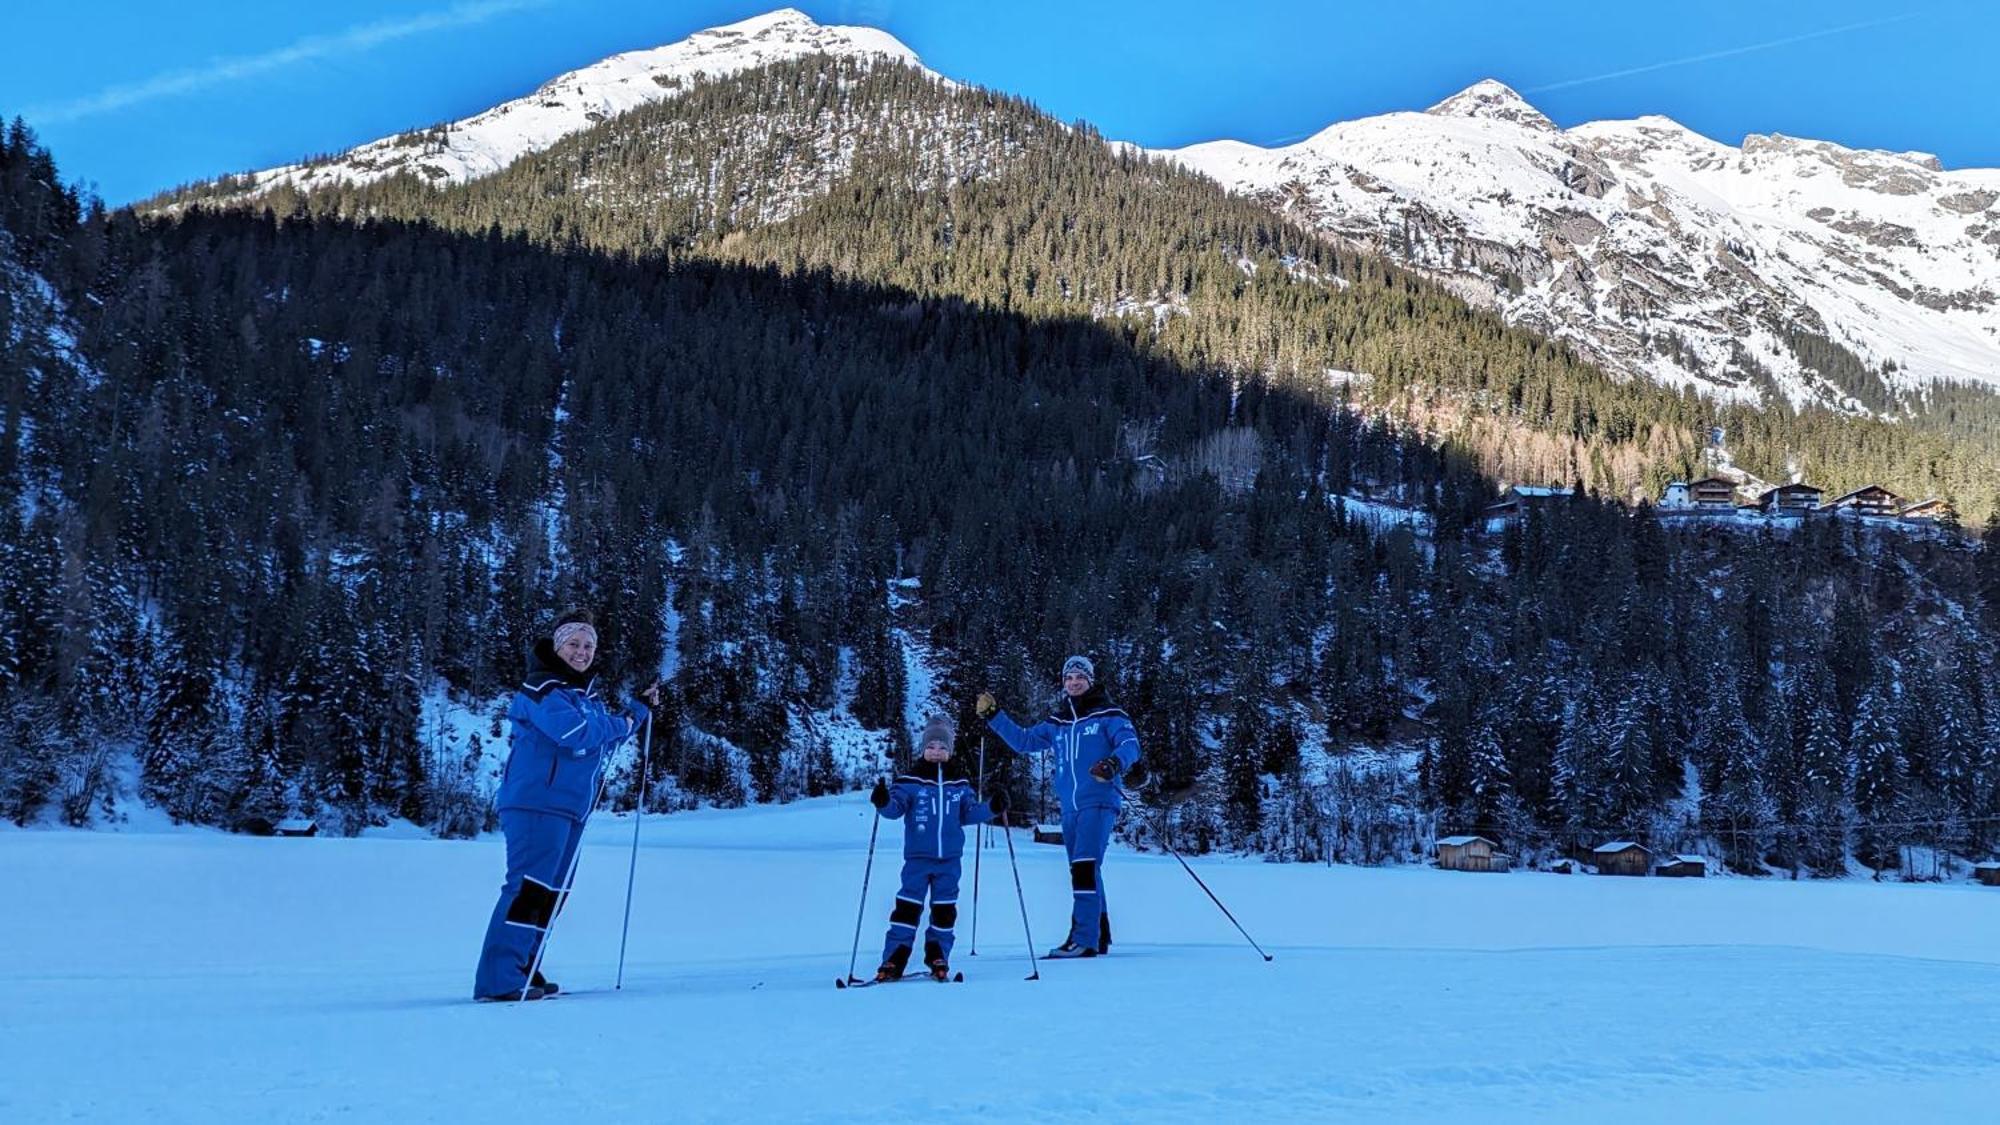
x=562, y=733
x=934, y=806
x=1093, y=744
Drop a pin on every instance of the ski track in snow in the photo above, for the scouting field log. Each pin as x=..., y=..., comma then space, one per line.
x=242, y=979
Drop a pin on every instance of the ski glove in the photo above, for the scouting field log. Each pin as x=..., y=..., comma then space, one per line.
x=997, y=801
x=1107, y=768
x=985, y=705
x=879, y=796
x=640, y=713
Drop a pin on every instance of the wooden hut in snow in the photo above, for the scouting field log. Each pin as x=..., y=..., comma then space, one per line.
x=1682, y=867
x=1622, y=857
x=1471, y=853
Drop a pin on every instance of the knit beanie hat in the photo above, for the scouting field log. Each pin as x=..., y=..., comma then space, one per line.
x=1080, y=664
x=937, y=728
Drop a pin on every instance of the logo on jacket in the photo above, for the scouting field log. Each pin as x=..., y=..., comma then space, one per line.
x=1091, y=729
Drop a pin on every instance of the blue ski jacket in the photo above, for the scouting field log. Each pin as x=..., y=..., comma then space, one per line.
x=1078, y=733
x=562, y=731
x=934, y=811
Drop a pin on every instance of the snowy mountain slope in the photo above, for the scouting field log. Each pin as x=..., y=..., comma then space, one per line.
x=1662, y=253
x=240, y=979
x=570, y=103
x=1781, y=269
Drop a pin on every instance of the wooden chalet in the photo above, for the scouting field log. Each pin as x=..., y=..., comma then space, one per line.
x=1517, y=499
x=1789, y=500
x=1622, y=857
x=1713, y=494
x=1987, y=873
x=1872, y=500
x=295, y=826
x=1929, y=509
x=1682, y=867
x=1471, y=853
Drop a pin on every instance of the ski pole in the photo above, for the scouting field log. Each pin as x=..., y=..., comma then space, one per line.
x=862, y=911
x=979, y=845
x=1169, y=845
x=632, y=869
x=1007, y=830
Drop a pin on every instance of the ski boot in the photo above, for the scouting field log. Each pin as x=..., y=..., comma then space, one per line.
x=1070, y=949
x=529, y=993
x=892, y=969
x=934, y=959
x=548, y=987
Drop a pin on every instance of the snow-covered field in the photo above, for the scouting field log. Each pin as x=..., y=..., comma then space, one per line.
x=192, y=976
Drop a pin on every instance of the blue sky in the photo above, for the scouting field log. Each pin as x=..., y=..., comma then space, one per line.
x=137, y=97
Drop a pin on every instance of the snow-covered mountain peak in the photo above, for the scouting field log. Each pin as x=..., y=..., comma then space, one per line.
x=1492, y=100
x=570, y=103
x=1783, y=268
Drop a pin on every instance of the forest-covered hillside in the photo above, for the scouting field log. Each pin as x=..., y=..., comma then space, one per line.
x=274, y=477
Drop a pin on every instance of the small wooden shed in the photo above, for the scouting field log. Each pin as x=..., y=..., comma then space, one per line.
x=1622, y=857
x=1048, y=833
x=1987, y=873
x=1682, y=867
x=1471, y=853
x=295, y=826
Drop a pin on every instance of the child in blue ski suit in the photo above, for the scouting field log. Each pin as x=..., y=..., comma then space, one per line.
x=934, y=807
x=1093, y=744
x=562, y=731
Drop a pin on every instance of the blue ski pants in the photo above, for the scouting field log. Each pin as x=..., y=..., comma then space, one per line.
x=933, y=878
x=540, y=848
x=1086, y=835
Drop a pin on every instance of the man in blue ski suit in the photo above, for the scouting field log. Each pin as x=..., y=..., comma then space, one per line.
x=562, y=732
x=1093, y=744
x=934, y=807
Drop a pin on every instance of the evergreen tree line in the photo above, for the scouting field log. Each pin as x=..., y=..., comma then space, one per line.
x=880, y=173
x=309, y=470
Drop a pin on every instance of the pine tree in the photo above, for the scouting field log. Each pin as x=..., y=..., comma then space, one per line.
x=1878, y=777
x=1736, y=810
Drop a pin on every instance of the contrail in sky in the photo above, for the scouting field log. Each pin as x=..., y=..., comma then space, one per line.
x=225, y=70
x=1722, y=54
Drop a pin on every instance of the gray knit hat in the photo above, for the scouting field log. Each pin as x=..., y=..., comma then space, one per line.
x=1080, y=664
x=937, y=728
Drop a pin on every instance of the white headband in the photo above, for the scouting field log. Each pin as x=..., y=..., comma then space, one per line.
x=573, y=629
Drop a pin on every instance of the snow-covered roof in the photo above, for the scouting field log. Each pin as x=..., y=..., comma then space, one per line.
x=1703, y=860
x=1461, y=841
x=1989, y=865
x=294, y=824
x=1619, y=846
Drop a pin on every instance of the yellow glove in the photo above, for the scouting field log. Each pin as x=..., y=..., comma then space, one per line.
x=985, y=705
